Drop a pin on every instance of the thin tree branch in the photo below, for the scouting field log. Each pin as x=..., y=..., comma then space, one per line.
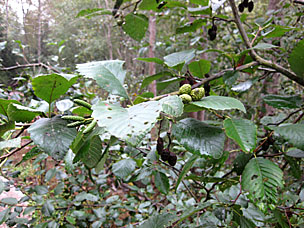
x=286, y=118
x=299, y=2
x=211, y=78
x=15, y=151
x=28, y=66
x=255, y=56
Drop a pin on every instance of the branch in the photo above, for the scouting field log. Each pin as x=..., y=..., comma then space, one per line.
x=299, y=2
x=28, y=66
x=15, y=151
x=211, y=78
x=255, y=56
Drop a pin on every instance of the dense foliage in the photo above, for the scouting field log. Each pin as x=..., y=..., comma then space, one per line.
x=219, y=145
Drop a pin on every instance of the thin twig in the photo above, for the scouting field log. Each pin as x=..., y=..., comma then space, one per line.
x=29, y=66
x=286, y=118
x=15, y=151
x=237, y=197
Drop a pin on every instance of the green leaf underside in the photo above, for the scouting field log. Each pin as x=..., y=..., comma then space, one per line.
x=108, y=74
x=296, y=59
x=293, y=133
x=172, y=105
x=159, y=221
x=242, y=131
x=283, y=101
x=136, y=25
x=262, y=177
x=199, y=138
x=124, y=168
x=50, y=87
x=52, y=136
x=129, y=124
x=188, y=165
x=11, y=143
x=177, y=58
x=161, y=182
x=220, y=103
x=21, y=113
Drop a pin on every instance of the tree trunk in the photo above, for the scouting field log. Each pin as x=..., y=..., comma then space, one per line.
x=152, y=37
x=39, y=32
x=108, y=25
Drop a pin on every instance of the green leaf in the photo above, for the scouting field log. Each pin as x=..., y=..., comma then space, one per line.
x=204, y=10
x=242, y=220
x=151, y=60
x=200, y=68
x=10, y=125
x=220, y=103
x=159, y=221
x=48, y=208
x=240, y=162
x=28, y=210
x=148, y=80
x=148, y=5
x=88, y=13
x=50, y=174
x=4, y=215
x=50, y=87
x=296, y=59
x=41, y=190
x=230, y=77
x=278, y=101
x=263, y=46
x=9, y=201
x=129, y=124
x=109, y=75
x=178, y=59
x=242, y=131
x=30, y=154
x=81, y=111
x=261, y=178
x=293, y=133
x=280, y=218
x=188, y=165
x=192, y=27
x=21, y=113
x=4, y=105
x=193, y=210
x=295, y=152
x=53, y=136
x=164, y=84
x=86, y=196
x=124, y=168
x=172, y=105
x=278, y=31
x=199, y=138
x=11, y=143
x=136, y=26
x=89, y=150
x=161, y=182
